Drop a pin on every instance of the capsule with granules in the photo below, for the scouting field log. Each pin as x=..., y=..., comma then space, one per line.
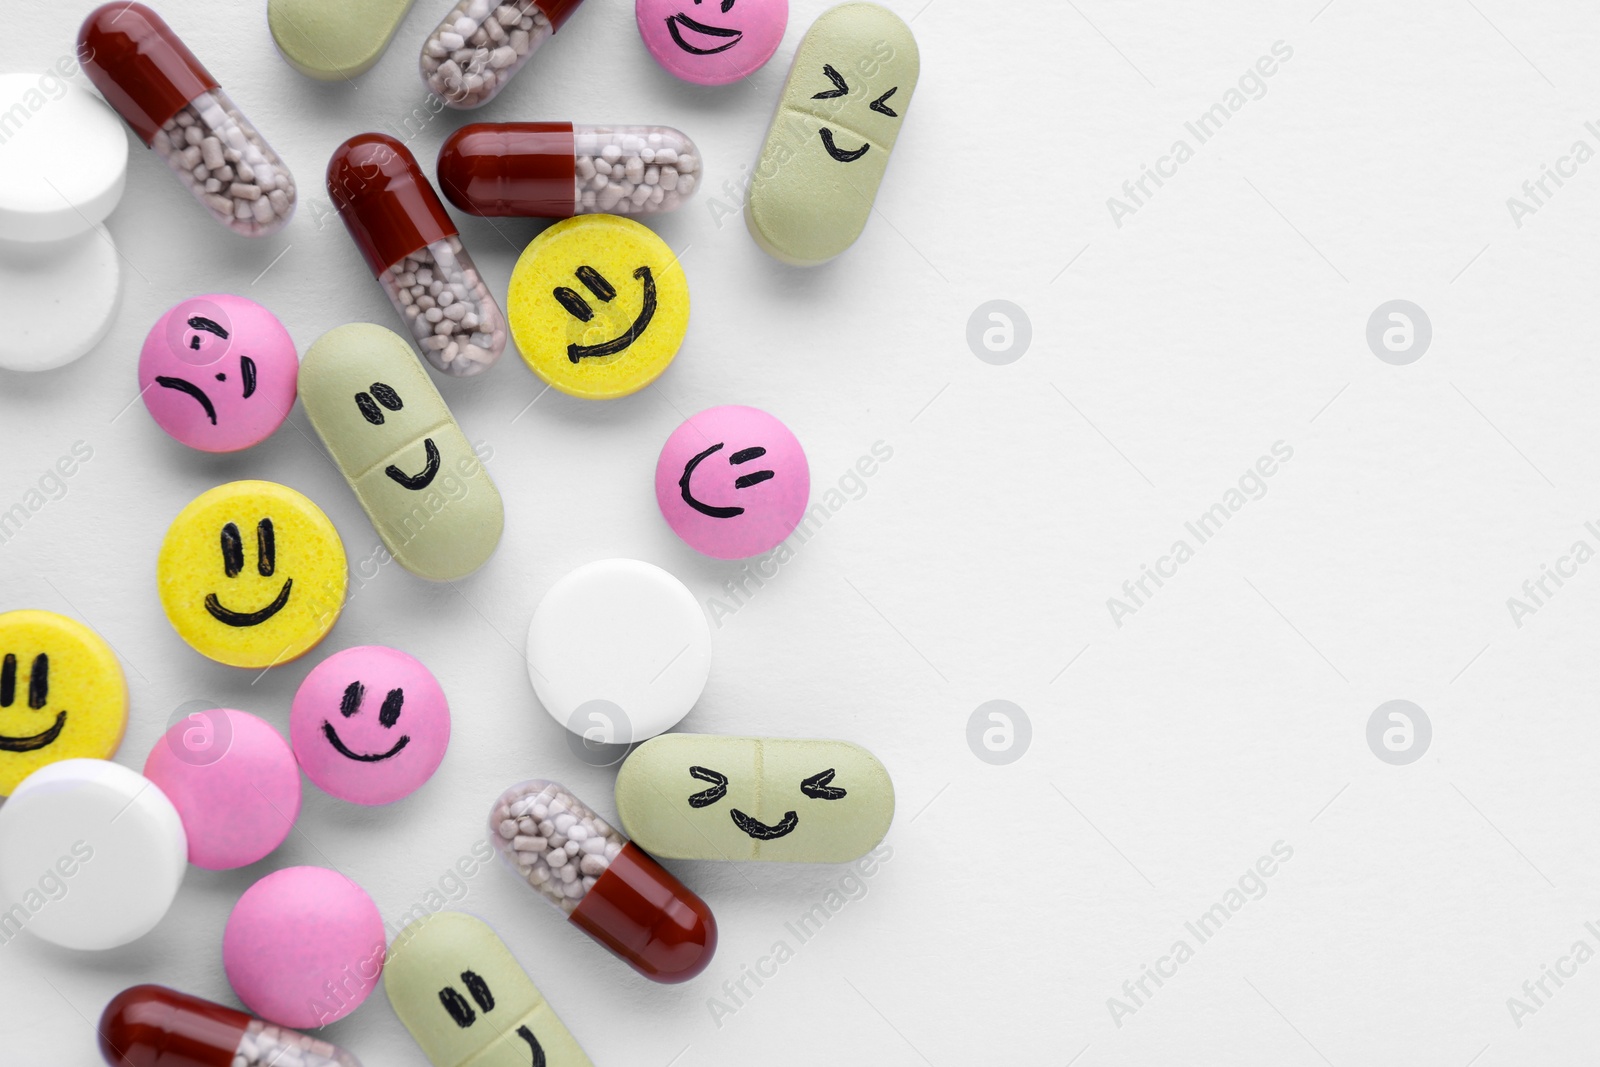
x=173, y=103
x=152, y=1026
x=606, y=886
x=398, y=223
x=481, y=44
x=553, y=170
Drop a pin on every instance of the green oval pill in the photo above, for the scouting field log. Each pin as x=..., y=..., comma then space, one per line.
x=704, y=797
x=396, y=443
x=830, y=139
x=467, y=1001
x=330, y=41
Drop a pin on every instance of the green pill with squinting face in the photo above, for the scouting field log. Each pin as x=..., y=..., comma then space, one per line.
x=396, y=443
x=466, y=1000
x=704, y=797
x=334, y=41
x=829, y=143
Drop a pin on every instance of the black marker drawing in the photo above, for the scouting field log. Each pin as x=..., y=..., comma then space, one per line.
x=744, y=481
x=605, y=292
x=38, y=693
x=388, y=715
x=707, y=797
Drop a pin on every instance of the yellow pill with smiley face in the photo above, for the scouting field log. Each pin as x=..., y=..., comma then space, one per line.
x=251, y=574
x=598, y=306
x=62, y=694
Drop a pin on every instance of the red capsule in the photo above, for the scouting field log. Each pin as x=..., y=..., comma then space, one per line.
x=152, y=1026
x=149, y=76
x=553, y=170
x=607, y=886
x=407, y=238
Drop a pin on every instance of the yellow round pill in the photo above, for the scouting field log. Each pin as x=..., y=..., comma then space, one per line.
x=251, y=574
x=598, y=306
x=62, y=694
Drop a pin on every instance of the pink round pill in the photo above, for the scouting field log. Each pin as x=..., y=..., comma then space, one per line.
x=218, y=373
x=715, y=42
x=234, y=782
x=303, y=947
x=370, y=725
x=732, y=482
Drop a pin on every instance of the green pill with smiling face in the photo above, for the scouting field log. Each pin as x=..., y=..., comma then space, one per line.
x=334, y=41
x=837, y=120
x=705, y=797
x=396, y=443
x=468, y=1002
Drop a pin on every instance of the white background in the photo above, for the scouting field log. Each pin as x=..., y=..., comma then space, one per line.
x=1169, y=353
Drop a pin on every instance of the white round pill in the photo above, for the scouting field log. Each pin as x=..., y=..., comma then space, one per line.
x=57, y=299
x=63, y=158
x=91, y=855
x=621, y=646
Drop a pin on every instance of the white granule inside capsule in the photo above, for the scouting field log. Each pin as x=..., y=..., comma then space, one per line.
x=559, y=845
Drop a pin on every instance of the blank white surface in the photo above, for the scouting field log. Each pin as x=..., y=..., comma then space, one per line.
x=1168, y=755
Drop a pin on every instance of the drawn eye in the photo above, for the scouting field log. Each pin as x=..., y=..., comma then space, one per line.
x=266, y=548
x=727, y=6
x=232, y=551
x=389, y=714
x=354, y=694
x=718, y=790
x=839, y=86
x=883, y=108
x=457, y=1005
x=369, y=410
x=817, y=788
x=247, y=371
x=386, y=396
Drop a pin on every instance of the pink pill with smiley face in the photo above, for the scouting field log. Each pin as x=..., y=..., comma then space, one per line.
x=712, y=42
x=732, y=482
x=218, y=373
x=369, y=725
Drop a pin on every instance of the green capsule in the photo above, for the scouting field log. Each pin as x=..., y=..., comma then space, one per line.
x=467, y=1001
x=829, y=143
x=703, y=797
x=396, y=443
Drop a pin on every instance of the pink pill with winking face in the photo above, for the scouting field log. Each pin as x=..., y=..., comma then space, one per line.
x=303, y=947
x=732, y=482
x=369, y=725
x=234, y=782
x=712, y=42
x=218, y=373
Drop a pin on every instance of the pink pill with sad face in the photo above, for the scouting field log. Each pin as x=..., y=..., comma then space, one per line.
x=218, y=373
x=369, y=725
x=712, y=42
x=732, y=482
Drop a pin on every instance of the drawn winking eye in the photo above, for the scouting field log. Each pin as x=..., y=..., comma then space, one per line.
x=840, y=88
x=881, y=106
x=817, y=788
x=707, y=797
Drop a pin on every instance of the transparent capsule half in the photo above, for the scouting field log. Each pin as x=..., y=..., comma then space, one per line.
x=556, y=169
x=481, y=44
x=604, y=884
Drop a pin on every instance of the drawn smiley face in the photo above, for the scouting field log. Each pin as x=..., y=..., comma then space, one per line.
x=712, y=42
x=62, y=694
x=465, y=998
x=839, y=90
x=733, y=482
x=251, y=574
x=598, y=306
x=372, y=403
x=798, y=800
x=370, y=725
x=218, y=373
